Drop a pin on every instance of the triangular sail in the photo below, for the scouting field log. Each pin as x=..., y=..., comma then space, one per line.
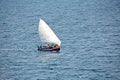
x=46, y=33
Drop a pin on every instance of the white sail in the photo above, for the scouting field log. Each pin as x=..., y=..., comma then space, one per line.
x=46, y=33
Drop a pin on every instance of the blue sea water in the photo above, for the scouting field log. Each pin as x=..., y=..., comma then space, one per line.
x=88, y=29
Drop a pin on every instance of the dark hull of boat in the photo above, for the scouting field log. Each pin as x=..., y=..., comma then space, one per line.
x=47, y=49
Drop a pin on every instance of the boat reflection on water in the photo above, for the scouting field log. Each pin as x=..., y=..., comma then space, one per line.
x=46, y=55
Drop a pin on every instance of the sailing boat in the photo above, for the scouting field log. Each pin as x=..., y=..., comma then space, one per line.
x=48, y=36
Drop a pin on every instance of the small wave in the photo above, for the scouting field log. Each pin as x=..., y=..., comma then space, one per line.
x=14, y=49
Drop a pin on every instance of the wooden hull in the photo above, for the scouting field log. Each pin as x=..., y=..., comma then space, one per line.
x=48, y=49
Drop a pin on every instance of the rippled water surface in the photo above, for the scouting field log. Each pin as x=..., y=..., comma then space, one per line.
x=89, y=31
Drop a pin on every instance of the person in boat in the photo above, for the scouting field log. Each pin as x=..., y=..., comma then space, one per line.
x=55, y=45
x=41, y=46
x=48, y=46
